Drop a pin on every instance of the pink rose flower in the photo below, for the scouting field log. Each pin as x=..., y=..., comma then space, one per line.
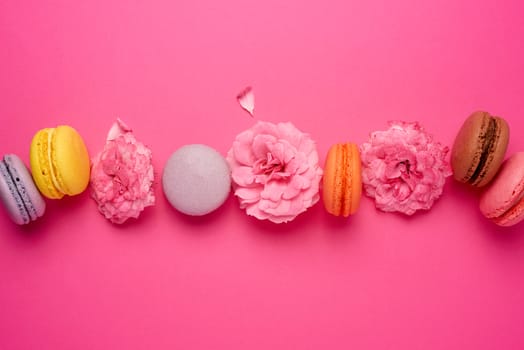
x=403, y=168
x=122, y=176
x=275, y=171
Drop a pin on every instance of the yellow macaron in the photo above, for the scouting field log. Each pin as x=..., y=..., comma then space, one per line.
x=59, y=162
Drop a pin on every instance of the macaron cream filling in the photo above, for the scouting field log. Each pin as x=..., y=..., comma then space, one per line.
x=54, y=173
x=10, y=180
x=345, y=179
x=21, y=189
x=489, y=141
x=512, y=213
x=40, y=163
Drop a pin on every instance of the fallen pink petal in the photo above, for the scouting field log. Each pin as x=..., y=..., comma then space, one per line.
x=246, y=99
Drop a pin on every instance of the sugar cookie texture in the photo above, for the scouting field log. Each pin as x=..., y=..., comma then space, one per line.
x=196, y=180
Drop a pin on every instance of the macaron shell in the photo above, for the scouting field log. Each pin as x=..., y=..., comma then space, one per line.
x=20, y=196
x=71, y=165
x=342, y=184
x=41, y=166
x=356, y=183
x=329, y=185
x=512, y=216
x=33, y=201
x=471, y=150
x=503, y=200
x=464, y=153
x=496, y=153
x=11, y=199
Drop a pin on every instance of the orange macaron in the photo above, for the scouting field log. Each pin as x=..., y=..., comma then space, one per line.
x=342, y=182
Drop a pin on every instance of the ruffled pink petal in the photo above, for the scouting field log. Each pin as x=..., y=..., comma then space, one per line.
x=119, y=128
x=243, y=176
x=122, y=176
x=248, y=195
x=296, y=186
x=241, y=154
x=261, y=145
x=284, y=171
x=403, y=168
x=253, y=210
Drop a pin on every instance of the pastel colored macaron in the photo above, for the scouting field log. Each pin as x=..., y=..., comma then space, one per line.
x=479, y=149
x=59, y=162
x=503, y=201
x=18, y=191
x=342, y=182
x=196, y=179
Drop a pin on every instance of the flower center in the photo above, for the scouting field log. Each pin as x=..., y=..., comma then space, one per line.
x=270, y=166
x=404, y=166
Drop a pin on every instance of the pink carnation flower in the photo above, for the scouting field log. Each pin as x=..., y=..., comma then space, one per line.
x=403, y=168
x=275, y=171
x=122, y=176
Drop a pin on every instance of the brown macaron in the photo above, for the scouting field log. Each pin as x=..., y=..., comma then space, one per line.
x=479, y=149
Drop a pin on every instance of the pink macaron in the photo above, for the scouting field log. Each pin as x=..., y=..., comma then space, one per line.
x=503, y=200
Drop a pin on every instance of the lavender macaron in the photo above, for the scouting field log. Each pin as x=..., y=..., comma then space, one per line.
x=18, y=191
x=196, y=179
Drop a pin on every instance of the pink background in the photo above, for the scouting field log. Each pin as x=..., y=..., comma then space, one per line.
x=444, y=279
